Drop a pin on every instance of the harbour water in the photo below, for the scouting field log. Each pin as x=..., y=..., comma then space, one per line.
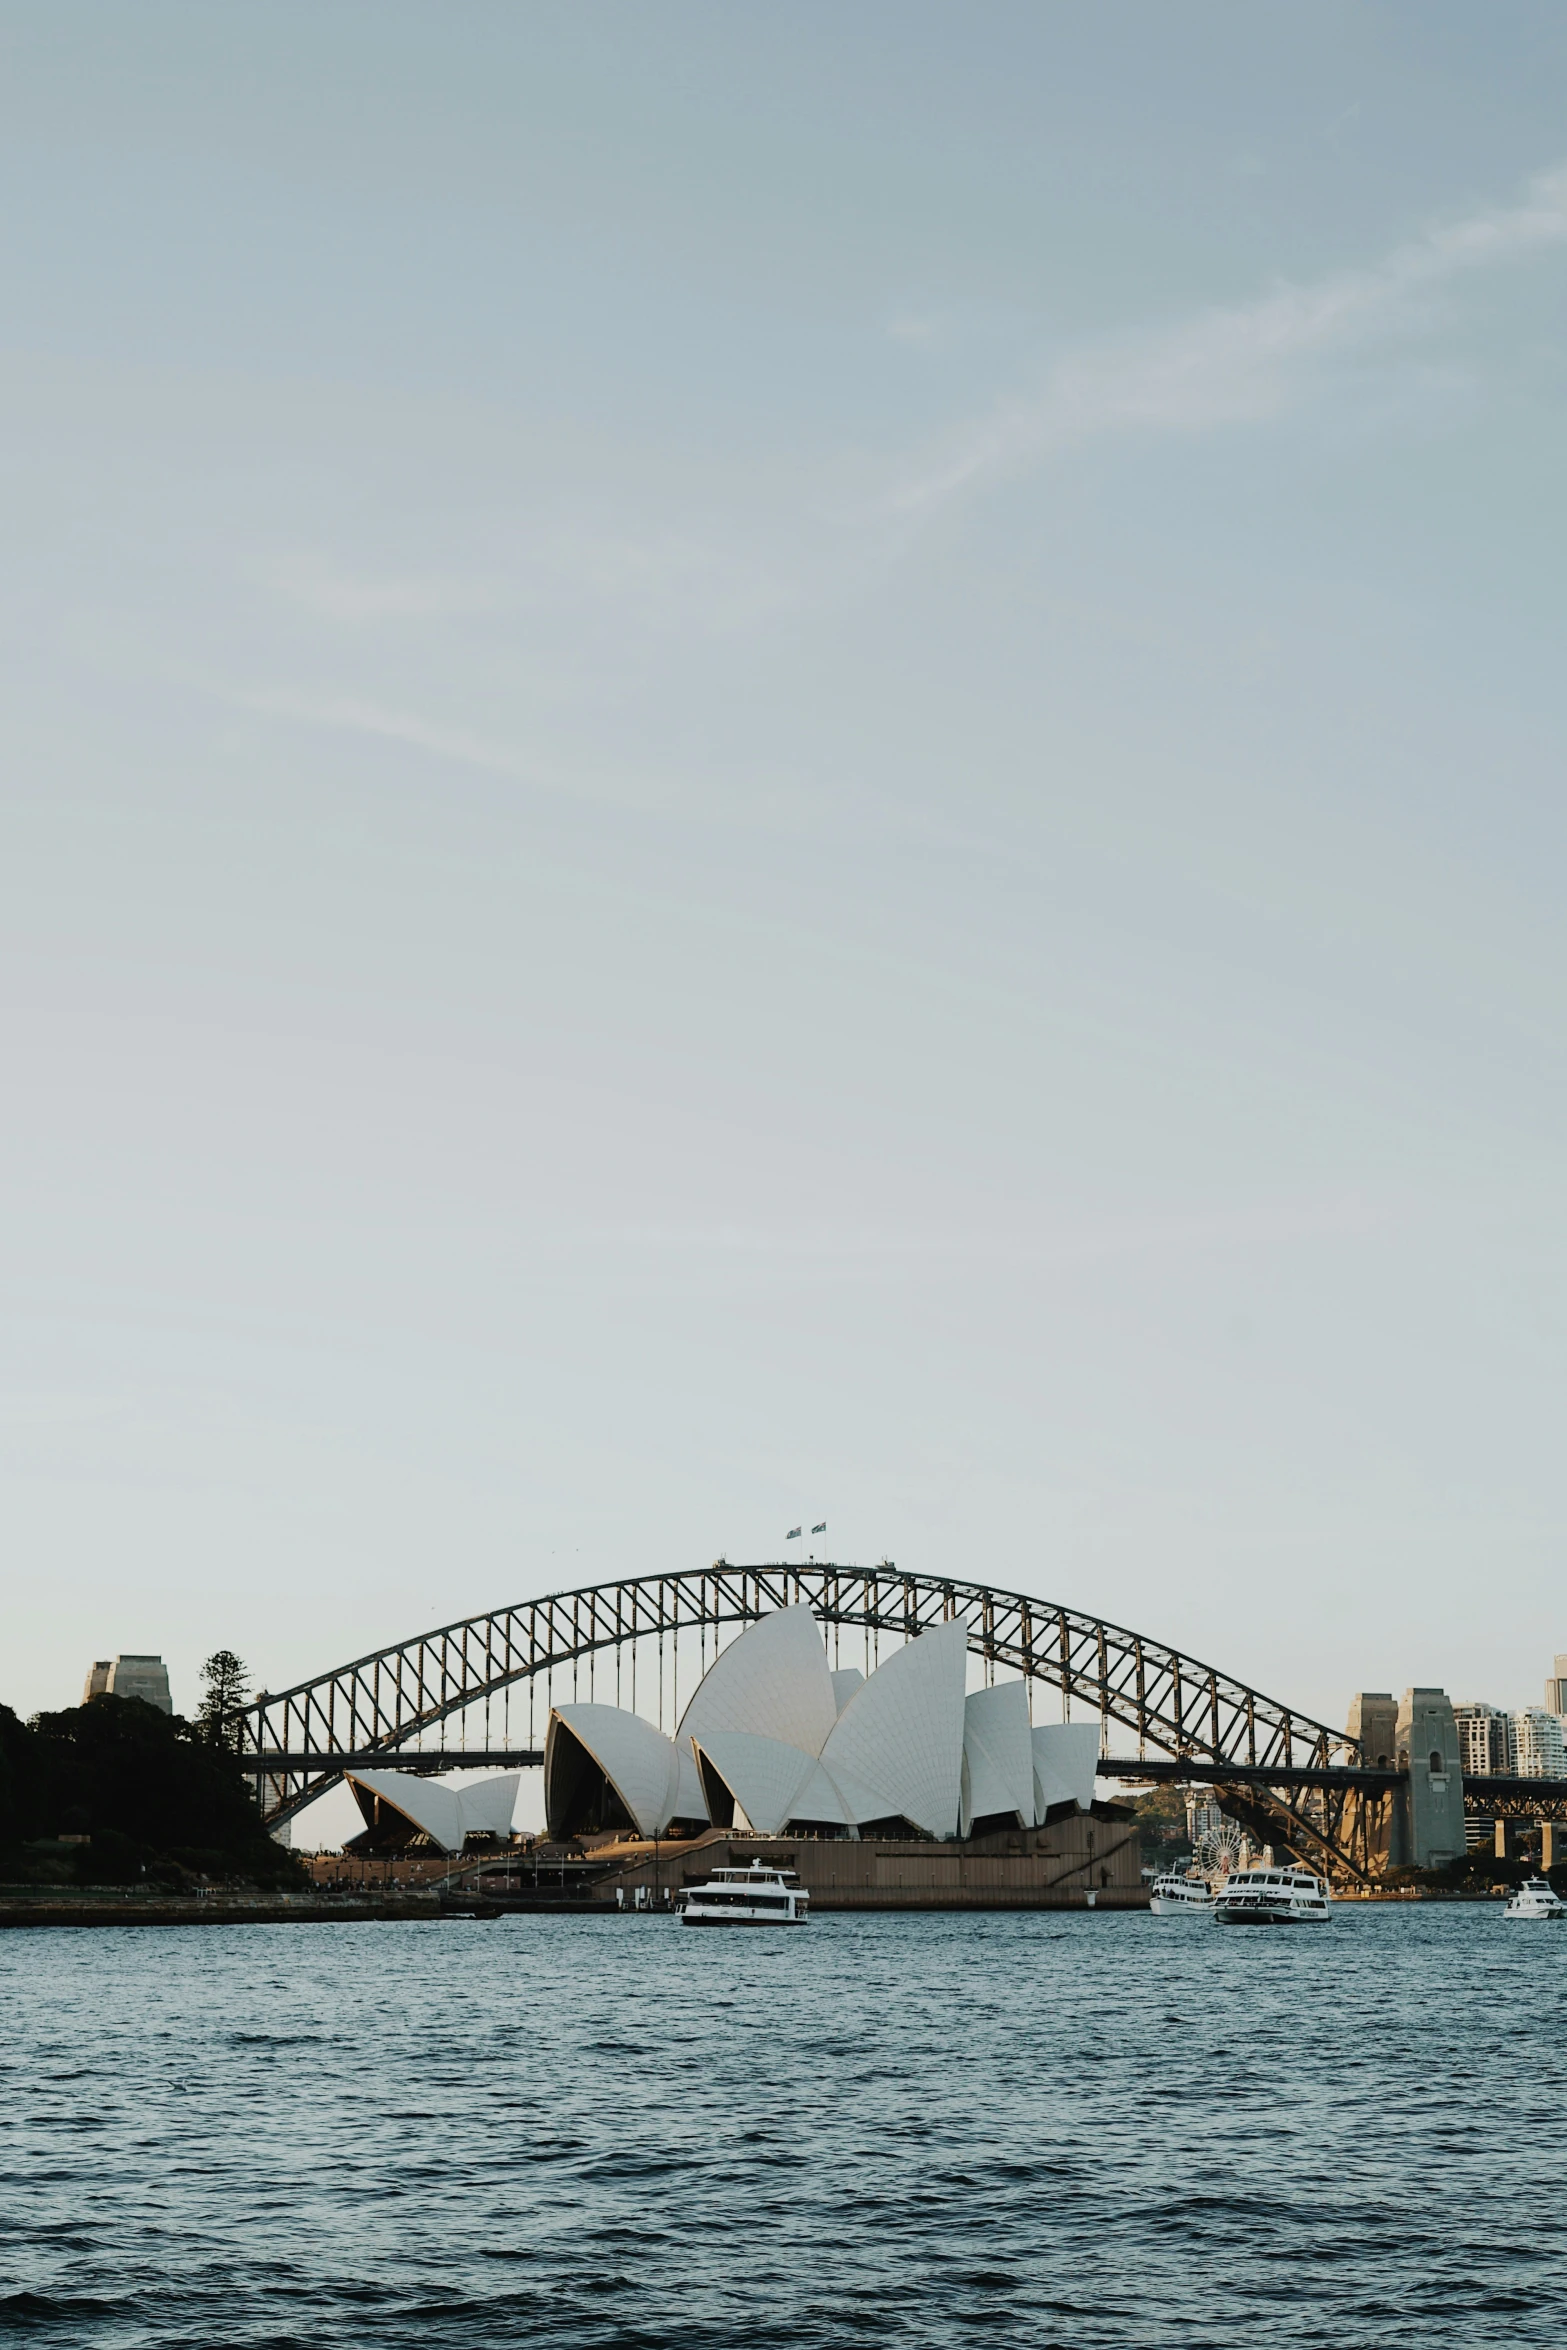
x=1012, y=2129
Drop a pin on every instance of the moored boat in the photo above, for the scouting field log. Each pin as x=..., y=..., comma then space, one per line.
x=1273, y=1897
x=756, y=1896
x=1181, y=1893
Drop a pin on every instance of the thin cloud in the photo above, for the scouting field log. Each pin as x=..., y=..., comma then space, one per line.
x=346, y=714
x=1050, y=1244
x=335, y=596
x=1230, y=365
x=919, y=328
x=666, y=574
x=352, y=714
x=652, y=790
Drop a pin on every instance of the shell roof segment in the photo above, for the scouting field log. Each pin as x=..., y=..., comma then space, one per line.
x=429, y=1805
x=822, y=1803
x=772, y=1682
x=487, y=1804
x=845, y=1681
x=1066, y=1758
x=639, y=1762
x=690, y=1803
x=998, y=1755
x=447, y=1815
x=901, y=1736
x=764, y=1775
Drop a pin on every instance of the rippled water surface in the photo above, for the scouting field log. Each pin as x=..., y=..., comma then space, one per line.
x=1016, y=2129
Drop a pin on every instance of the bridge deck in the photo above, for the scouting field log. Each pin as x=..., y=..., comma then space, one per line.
x=1152, y=1770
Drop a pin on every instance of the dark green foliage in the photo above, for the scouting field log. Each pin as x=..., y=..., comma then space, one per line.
x=22, y=1788
x=1482, y=1872
x=113, y=1859
x=1161, y=1820
x=225, y=1685
x=146, y=1788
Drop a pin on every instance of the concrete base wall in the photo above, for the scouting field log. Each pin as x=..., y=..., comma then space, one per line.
x=1054, y=1867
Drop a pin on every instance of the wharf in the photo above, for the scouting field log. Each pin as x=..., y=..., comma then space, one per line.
x=1079, y=1861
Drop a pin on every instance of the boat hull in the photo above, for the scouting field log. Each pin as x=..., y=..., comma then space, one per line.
x=707, y=1919
x=1272, y=1917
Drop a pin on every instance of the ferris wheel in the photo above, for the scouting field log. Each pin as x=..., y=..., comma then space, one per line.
x=1218, y=1852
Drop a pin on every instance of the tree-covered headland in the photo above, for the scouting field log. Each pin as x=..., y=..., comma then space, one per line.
x=116, y=1792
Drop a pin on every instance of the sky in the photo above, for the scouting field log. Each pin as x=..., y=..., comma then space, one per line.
x=762, y=766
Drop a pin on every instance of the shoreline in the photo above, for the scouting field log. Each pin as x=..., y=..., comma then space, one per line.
x=20, y=1910
x=105, y=1909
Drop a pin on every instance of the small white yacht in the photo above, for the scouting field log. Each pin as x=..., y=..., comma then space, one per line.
x=1536, y=1897
x=756, y=1896
x=1273, y=1897
x=1181, y=1893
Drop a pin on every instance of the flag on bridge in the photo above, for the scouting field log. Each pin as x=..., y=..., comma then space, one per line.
x=821, y=1529
x=793, y=1534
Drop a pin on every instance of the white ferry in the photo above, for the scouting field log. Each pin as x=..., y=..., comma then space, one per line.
x=1273, y=1897
x=1536, y=1897
x=756, y=1896
x=1181, y=1894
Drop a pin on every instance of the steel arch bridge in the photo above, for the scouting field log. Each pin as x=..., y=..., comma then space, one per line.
x=1299, y=1783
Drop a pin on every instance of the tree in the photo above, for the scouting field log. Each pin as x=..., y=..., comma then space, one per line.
x=1161, y=1820
x=225, y=1686
x=22, y=1804
x=148, y=1788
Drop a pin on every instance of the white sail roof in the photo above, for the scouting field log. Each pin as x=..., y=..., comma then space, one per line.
x=1066, y=1757
x=902, y=1734
x=764, y=1775
x=690, y=1802
x=858, y=1801
x=639, y=1762
x=998, y=1758
x=772, y=1682
x=448, y=1815
x=821, y=1799
x=487, y=1804
x=792, y=1740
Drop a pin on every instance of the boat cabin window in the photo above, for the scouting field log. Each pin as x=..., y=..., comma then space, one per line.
x=734, y=1896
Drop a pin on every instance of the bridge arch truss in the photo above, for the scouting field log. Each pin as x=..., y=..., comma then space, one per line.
x=390, y=1706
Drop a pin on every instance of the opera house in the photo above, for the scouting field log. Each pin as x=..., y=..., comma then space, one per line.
x=776, y=1743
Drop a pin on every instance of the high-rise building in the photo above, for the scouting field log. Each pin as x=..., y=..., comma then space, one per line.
x=146, y=1677
x=1487, y=1742
x=1556, y=1687
x=1541, y=1743
x=1203, y=1814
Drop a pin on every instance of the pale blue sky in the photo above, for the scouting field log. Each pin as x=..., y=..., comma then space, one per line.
x=773, y=764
